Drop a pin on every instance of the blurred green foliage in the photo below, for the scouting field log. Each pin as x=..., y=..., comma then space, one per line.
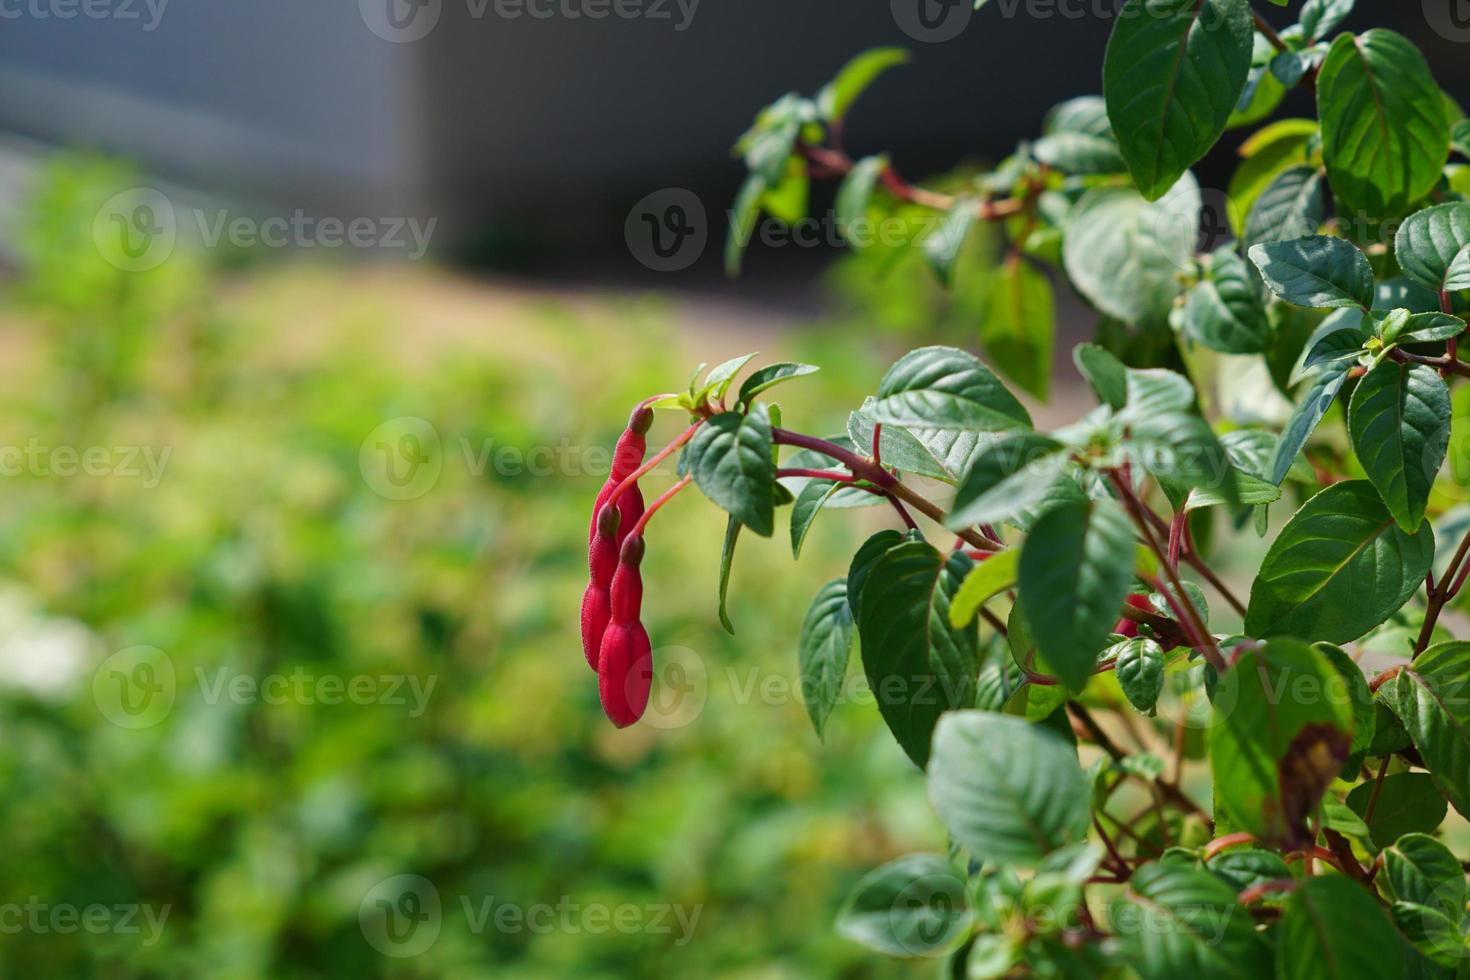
x=261, y=826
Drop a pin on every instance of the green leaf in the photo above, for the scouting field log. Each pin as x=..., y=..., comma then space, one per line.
x=854, y=194
x=1460, y=137
x=1340, y=567
x=946, y=388
x=839, y=94
x=1242, y=867
x=1422, y=870
x=1281, y=731
x=1075, y=571
x=1140, y=671
x=824, y=648
x=918, y=666
x=1290, y=207
x=809, y=503
x=727, y=559
x=1427, y=328
x=914, y=906
x=1320, y=18
x=1008, y=791
x=862, y=563
x=1333, y=929
x=1104, y=372
x=1265, y=156
x=1457, y=276
x=1019, y=325
x=771, y=375
x=717, y=382
x=988, y=579
x=1431, y=698
x=1357, y=693
x=1400, y=425
x=1332, y=354
x=1225, y=312
x=1176, y=921
x=730, y=458
x=942, y=246
x=901, y=448
x=1318, y=272
x=1173, y=73
x=743, y=215
x=1409, y=803
x=1125, y=254
x=1007, y=476
x=1428, y=242
x=1078, y=139
x=1385, y=137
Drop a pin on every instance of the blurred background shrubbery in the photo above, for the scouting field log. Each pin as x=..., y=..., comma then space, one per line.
x=241, y=526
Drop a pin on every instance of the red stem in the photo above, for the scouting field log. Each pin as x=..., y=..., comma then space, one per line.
x=664, y=498
x=647, y=467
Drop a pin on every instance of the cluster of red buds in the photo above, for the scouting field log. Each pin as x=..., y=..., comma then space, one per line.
x=613, y=638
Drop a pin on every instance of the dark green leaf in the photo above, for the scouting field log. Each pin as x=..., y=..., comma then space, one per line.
x=1008, y=791
x=1140, y=671
x=730, y=458
x=1290, y=207
x=946, y=388
x=1333, y=929
x=1173, y=73
x=1333, y=357
x=1409, y=803
x=1320, y=18
x=1179, y=921
x=838, y=95
x=1400, y=425
x=727, y=559
x=1422, y=870
x=744, y=213
x=1104, y=372
x=1319, y=272
x=1225, y=311
x=1076, y=568
x=1431, y=697
x=862, y=563
x=769, y=376
x=914, y=906
x=918, y=665
x=1385, y=137
x=851, y=205
x=824, y=649
x=1340, y=567
x=1428, y=242
x=808, y=505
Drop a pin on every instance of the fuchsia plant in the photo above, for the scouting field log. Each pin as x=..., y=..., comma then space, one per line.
x=1270, y=774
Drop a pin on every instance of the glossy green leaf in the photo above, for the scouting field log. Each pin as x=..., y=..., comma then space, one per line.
x=862, y=563
x=1176, y=920
x=1385, y=137
x=1431, y=698
x=1019, y=325
x=1103, y=372
x=838, y=95
x=1427, y=328
x=1331, y=356
x=1320, y=18
x=1333, y=929
x=1125, y=254
x=1173, y=73
x=1409, y=803
x=1140, y=671
x=937, y=455
x=727, y=560
x=769, y=376
x=1282, y=730
x=823, y=651
x=1340, y=567
x=1006, y=477
x=809, y=502
x=1457, y=276
x=730, y=458
x=1008, y=791
x=918, y=666
x=1428, y=242
x=986, y=580
x=1400, y=425
x=1076, y=568
x=1318, y=272
x=1422, y=870
x=946, y=388
x=1267, y=154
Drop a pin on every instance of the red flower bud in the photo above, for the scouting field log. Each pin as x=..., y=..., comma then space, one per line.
x=607, y=529
x=625, y=672
x=1128, y=627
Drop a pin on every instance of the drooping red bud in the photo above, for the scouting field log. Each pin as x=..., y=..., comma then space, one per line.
x=596, y=613
x=625, y=672
x=1128, y=627
x=640, y=421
